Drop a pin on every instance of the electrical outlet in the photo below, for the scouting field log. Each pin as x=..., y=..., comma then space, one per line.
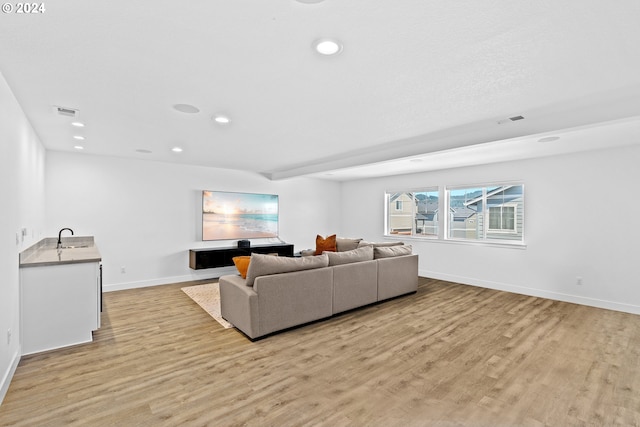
x=579, y=281
x=123, y=269
x=9, y=336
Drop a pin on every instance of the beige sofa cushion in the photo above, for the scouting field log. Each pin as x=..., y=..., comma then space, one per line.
x=264, y=265
x=391, y=251
x=355, y=255
x=294, y=298
x=379, y=244
x=354, y=285
x=346, y=244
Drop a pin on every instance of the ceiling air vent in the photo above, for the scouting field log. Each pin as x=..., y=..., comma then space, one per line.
x=510, y=119
x=63, y=111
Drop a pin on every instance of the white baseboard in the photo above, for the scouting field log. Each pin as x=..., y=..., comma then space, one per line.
x=8, y=375
x=534, y=292
x=558, y=296
x=212, y=273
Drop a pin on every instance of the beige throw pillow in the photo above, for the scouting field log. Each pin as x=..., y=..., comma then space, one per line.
x=344, y=244
x=379, y=244
x=391, y=251
x=355, y=255
x=264, y=265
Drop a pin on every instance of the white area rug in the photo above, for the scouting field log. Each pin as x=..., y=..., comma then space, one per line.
x=207, y=296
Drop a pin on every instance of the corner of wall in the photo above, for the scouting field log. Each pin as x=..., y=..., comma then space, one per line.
x=22, y=188
x=8, y=374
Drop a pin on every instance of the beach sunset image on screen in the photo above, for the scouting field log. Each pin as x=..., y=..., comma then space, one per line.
x=228, y=215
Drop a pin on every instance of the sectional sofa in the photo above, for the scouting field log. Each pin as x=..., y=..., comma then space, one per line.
x=279, y=292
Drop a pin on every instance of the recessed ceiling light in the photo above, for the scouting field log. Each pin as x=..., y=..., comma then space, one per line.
x=416, y=160
x=176, y=150
x=78, y=147
x=223, y=120
x=143, y=151
x=327, y=47
x=549, y=139
x=186, y=108
x=78, y=137
x=77, y=124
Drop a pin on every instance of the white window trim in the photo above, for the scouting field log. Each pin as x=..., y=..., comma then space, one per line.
x=444, y=220
x=387, y=213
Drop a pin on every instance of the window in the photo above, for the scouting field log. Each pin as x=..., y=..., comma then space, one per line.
x=413, y=213
x=486, y=213
x=463, y=213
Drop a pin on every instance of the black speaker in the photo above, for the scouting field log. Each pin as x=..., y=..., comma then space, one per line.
x=244, y=244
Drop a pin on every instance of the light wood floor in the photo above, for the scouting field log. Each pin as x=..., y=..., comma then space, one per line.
x=450, y=355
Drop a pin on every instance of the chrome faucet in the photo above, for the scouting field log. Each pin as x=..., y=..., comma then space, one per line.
x=60, y=237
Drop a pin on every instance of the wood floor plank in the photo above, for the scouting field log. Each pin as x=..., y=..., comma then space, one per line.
x=450, y=355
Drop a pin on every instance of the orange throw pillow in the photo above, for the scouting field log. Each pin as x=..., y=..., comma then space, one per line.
x=242, y=264
x=328, y=244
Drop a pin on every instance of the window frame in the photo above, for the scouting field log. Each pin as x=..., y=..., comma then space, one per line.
x=490, y=236
x=488, y=189
x=414, y=210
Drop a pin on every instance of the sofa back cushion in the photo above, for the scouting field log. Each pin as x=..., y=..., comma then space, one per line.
x=355, y=255
x=264, y=265
x=379, y=244
x=391, y=251
x=344, y=244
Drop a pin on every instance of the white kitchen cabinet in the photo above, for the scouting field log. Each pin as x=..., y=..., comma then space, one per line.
x=60, y=305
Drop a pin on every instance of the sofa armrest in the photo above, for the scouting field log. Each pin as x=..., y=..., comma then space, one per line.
x=239, y=304
x=397, y=276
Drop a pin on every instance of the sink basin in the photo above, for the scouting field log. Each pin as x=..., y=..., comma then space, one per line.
x=70, y=242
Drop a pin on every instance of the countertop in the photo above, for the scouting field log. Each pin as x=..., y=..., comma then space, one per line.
x=75, y=249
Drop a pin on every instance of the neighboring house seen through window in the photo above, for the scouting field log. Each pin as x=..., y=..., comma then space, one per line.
x=502, y=218
x=413, y=213
x=492, y=213
x=474, y=213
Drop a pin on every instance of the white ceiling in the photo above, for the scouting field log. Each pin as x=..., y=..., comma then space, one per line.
x=426, y=79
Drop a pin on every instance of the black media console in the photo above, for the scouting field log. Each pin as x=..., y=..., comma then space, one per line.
x=222, y=257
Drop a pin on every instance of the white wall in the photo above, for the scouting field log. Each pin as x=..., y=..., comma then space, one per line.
x=581, y=213
x=22, y=160
x=146, y=216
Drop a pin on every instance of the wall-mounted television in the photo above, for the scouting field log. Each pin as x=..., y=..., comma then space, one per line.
x=229, y=216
